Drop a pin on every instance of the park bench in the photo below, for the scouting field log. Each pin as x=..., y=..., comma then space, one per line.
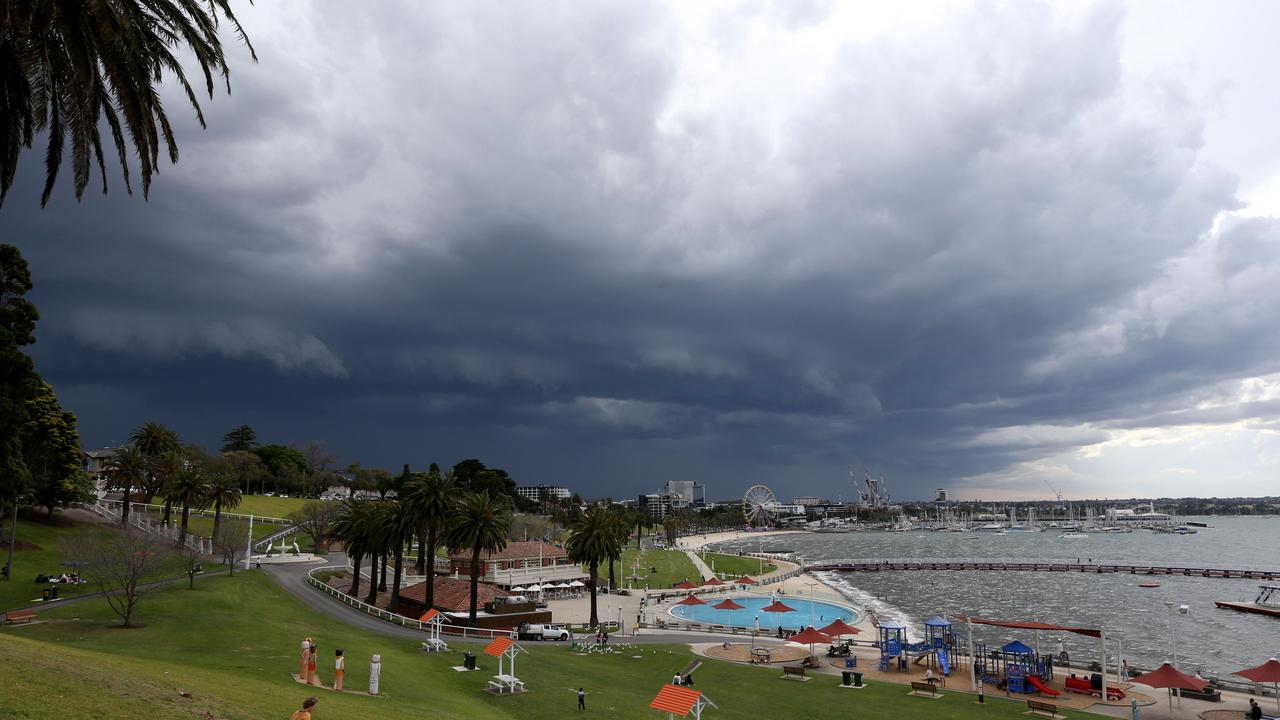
x=924, y=687
x=796, y=671
x=1208, y=693
x=1038, y=707
x=435, y=645
x=19, y=616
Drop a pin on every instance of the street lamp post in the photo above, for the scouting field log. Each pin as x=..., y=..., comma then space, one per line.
x=811, y=585
x=1173, y=639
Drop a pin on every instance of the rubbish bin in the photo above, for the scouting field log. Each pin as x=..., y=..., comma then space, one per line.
x=44, y=594
x=846, y=678
x=857, y=679
x=469, y=660
x=53, y=593
x=851, y=661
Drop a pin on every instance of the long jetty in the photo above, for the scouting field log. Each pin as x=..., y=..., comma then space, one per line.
x=1023, y=565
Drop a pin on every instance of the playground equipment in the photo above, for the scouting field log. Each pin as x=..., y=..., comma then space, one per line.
x=1092, y=685
x=434, y=620
x=892, y=642
x=938, y=639
x=1015, y=667
x=505, y=681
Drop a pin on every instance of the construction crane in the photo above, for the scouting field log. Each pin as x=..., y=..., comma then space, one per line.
x=1070, y=510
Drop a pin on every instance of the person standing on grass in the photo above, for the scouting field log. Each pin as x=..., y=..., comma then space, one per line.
x=582, y=699
x=305, y=713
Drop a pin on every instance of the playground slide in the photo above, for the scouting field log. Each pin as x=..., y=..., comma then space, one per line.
x=942, y=662
x=1035, y=683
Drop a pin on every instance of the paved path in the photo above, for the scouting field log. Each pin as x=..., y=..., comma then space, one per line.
x=701, y=566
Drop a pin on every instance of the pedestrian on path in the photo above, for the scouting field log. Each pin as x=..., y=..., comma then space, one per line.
x=582, y=699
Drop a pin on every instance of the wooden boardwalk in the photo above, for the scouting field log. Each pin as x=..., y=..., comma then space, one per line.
x=1005, y=565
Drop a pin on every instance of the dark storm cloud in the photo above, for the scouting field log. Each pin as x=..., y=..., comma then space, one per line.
x=538, y=236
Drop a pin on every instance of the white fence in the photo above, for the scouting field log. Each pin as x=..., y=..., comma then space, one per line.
x=143, y=522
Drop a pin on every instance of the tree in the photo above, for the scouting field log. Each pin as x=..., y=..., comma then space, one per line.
x=232, y=541
x=431, y=500
x=191, y=561
x=317, y=519
x=127, y=470
x=480, y=522
x=65, y=67
x=352, y=526
x=318, y=456
x=474, y=476
x=241, y=439
x=246, y=468
x=154, y=439
x=591, y=541
x=187, y=488
x=401, y=526
x=123, y=565
x=222, y=492
x=277, y=460
x=621, y=527
x=164, y=468
x=18, y=379
x=51, y=452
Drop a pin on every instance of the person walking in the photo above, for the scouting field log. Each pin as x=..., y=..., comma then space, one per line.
x=582, y=699
x=305, y=713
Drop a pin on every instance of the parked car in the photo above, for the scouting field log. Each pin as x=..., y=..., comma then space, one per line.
x=535, y=631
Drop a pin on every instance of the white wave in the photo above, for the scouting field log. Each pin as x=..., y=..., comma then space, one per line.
x=878, y=609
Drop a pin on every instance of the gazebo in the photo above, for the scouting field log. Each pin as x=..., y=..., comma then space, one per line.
x=681, y=701
x=505, y=682
x=433, y=620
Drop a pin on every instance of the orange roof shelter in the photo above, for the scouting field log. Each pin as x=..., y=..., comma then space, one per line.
x=431, y=621
x=504, y=647
x=678, y=701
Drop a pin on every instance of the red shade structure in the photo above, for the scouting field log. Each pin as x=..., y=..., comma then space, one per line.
x=712, y=581
x=777, y=607
x=684, y=585
x=808, y=637
x=1267, y=672
x=840, y=627
x=744, y=580
x=692, y=600
x=727, y=604
x=681, y=701
x=1169, y=677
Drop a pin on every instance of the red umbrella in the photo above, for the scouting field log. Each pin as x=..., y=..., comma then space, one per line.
x=712, y=581
x=692, y=600
x=727, y=604
x=684, y=585
x=777, y=607
x=1268, y=671
x=808, y=637
x=744, y=580
x=840, y=627
x=1169, y=677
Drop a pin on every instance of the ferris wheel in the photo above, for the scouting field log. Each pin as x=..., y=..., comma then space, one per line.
x=759, y=506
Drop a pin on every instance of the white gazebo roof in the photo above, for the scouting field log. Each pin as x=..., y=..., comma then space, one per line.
x=577, y=583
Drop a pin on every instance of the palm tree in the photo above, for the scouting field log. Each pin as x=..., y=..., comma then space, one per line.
x=621, y=527
x=480, y=523
x=379, y=538
x=431, y=499
x=352, y=526
x=66, y=66
x=127, y=469
x=164, y=468
x=400, y=527
x=592, y=538
x=223, y=492
x=153, y=439
x=188, y=487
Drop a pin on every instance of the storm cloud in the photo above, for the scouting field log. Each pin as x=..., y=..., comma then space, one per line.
x=607, y=245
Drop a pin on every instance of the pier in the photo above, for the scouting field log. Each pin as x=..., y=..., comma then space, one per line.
x=1244, y=572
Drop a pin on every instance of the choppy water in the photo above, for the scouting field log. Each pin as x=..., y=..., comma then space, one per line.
x=1209, y=639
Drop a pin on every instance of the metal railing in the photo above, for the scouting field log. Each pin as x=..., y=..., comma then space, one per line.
x=200, y=513
x=277, y=535
x=143, y=522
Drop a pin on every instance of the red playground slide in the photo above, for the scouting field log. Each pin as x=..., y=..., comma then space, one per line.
x=1035, y=683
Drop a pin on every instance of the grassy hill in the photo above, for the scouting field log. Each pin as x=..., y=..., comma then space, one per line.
x=231, y=644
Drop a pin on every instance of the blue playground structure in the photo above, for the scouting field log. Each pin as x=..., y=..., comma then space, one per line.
x=1015, y=667
x=938, y=640
x=935, y=649
x=893, y=641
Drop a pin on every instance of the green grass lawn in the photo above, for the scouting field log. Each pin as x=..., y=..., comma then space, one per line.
x=271, y=506
x=673, y=566
x=736, y=565
x=20, y=590
x=231, y=644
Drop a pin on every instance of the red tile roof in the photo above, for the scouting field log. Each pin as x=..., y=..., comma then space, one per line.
x=453, y=594
x=519, y=550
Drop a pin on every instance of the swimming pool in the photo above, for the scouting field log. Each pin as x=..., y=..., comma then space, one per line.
x=823, y=613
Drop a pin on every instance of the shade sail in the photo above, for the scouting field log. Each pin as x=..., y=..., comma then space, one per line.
x=712, y=581
x=1268, y=671
x=809, y=637
x=838, y=628
x=744, y=580
x=684, y=585
x=778, y=607
x=1091, y=632
x=728, y=604
x=1167, y=676
x=692, y=600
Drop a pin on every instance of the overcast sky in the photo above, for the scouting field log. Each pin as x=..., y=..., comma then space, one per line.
x=605, y=245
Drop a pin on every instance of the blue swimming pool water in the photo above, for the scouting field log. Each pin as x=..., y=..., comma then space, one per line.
x=823, y=613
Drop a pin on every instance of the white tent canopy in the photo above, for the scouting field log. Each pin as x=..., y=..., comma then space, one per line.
x=519, y=589
x=577, y=583
x=562, y=585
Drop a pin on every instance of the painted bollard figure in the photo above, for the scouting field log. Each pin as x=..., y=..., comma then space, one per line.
x=375, y=669
x=312, y=677
x=339, y=665
x=302, y=661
